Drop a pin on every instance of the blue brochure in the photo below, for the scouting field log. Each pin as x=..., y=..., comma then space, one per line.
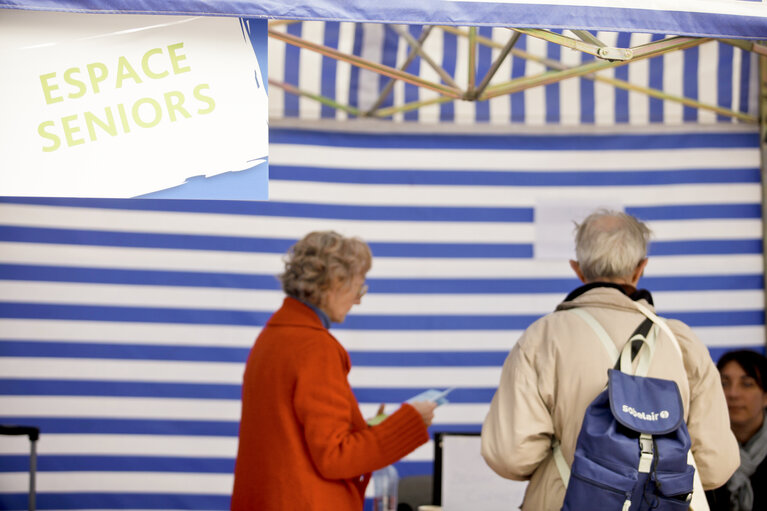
x=437, y=396
x=434, y=395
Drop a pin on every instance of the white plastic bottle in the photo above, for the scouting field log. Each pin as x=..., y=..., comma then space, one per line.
x=385, y=484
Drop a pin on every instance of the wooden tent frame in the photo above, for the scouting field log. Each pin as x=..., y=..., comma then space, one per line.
x=479, y=88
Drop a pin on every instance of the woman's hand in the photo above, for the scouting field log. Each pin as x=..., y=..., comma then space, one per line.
x=426, y=409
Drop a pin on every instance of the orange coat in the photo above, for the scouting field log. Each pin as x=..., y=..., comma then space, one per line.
x=303, y=443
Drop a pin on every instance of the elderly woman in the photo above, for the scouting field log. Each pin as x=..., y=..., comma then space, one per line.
x=744, y=379
x=303, y=443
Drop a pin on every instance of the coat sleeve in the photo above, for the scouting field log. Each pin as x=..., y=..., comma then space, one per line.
x=340, y=446
x=517, y=432
x=714, y=446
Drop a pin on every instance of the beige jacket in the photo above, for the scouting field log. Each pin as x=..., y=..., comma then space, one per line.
x=558, y=367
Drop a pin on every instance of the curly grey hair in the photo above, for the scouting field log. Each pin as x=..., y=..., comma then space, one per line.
x=320, y=260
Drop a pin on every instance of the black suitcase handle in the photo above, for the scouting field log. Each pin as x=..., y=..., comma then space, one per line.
x=32, y=432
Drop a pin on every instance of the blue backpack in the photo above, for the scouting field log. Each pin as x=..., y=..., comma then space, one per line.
x=632, y=450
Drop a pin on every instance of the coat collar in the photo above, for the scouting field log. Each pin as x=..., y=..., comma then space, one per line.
x=295, y=313
x=630, y=291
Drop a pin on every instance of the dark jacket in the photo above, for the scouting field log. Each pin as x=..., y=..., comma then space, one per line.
x=719, y=499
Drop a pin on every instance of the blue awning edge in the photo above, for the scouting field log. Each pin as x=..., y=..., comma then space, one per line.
x=739, y=19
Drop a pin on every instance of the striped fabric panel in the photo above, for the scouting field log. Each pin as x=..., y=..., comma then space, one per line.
x=124, y=324
x=715, y=74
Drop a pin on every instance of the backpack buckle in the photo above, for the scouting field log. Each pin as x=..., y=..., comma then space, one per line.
x=646, y=452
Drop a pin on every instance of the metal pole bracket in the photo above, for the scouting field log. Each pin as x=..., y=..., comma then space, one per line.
x=587, y=43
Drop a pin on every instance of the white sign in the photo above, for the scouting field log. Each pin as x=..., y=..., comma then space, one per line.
x=467, y=481
x=555, y=223
x=121, y=106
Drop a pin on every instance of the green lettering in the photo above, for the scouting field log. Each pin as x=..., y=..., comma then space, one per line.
x=48, y=88
x=73, y=81
x=205, y=99
x=175, y=105
x=69, y=131
x=110, y=127
x=175, y=59
x=97, y=73
x=123, y=118
x=55, y=140
x=125, y=70
x=145, y=64
x=157, y=112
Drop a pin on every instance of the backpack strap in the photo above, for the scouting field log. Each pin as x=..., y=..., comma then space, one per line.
x=662, y=324
x=607, y=342
x=561, y=463
x=634, y=346
x=631, y=348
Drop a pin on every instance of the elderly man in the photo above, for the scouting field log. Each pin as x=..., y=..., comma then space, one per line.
x=557, y=368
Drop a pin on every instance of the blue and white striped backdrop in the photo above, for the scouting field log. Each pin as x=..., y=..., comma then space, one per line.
x=124, y=324
x=714, y=73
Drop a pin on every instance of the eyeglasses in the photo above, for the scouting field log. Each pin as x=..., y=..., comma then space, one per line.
x=363, y=290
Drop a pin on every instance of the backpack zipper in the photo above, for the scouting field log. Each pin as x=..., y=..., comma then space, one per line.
x=603, y=486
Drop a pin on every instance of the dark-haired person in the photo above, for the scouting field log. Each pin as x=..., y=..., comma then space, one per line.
x=744, y=379
x=303, y=443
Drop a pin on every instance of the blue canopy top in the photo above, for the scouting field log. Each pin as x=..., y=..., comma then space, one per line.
x=741, y=19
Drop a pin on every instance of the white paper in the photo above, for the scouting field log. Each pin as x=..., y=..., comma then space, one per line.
x=121, y=105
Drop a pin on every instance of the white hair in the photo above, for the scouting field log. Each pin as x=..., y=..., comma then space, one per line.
x=610, y=244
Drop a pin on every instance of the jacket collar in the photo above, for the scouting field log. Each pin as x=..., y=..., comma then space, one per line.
x=295, y=313
x=319, y=312
x=630, y=291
